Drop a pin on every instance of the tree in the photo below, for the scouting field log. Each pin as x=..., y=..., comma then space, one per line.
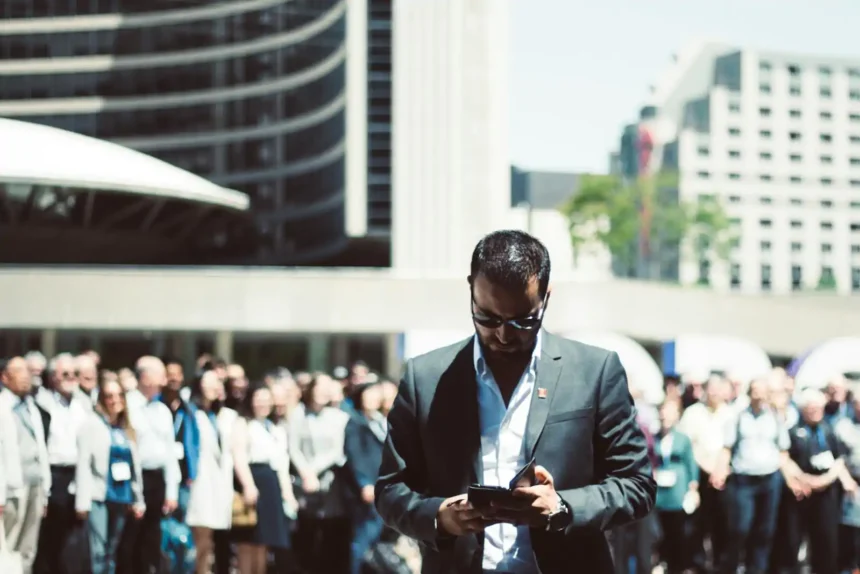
x=638, y=221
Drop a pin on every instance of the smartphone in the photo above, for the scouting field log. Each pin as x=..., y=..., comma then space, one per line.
x=481, y=496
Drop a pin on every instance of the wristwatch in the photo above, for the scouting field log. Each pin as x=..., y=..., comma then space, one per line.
x=558, y=519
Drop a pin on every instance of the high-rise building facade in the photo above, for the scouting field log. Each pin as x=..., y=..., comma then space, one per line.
x=250, y=94
x=451, y=170
x=775, y=138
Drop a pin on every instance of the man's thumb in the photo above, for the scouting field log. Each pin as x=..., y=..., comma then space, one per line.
x=542, y=476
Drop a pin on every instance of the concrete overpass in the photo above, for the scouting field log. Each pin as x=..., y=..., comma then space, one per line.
x=262, y=300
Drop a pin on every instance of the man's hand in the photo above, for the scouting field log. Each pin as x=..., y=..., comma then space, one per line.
x=718, y=480
x=849, y=485
x=310, y=483
x=169, y=506
x=537, y=502
x=798, y=486
x=367, y=494
x=137, y=511
x=457, y=517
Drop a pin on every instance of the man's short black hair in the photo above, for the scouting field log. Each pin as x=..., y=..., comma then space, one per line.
x=511, y=259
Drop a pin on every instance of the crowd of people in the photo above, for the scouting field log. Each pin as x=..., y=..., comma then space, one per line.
x=278, y=476
x=754, y=475
x=103, y=471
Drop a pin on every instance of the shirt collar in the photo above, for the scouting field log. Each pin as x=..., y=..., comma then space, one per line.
x=481, y=365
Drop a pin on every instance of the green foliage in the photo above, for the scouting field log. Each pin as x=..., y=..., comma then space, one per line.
x=609, y=211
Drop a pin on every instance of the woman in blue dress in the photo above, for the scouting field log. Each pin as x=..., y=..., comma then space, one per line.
x=108, y=483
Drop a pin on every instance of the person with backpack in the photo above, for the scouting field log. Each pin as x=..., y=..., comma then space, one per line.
x=750, y=470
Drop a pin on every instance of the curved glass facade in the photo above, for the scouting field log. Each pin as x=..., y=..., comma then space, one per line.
x=248, y=93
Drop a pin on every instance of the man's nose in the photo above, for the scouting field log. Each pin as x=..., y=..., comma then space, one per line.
x=505, y=333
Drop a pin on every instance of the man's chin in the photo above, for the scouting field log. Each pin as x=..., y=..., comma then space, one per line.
x=507, y=353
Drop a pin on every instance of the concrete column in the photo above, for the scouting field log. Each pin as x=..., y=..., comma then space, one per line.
x=159, y=344
x=340, y=351
x=224, y=345
x=319, y=348
x=393, y=363
x=184, y=350
x=49, y=342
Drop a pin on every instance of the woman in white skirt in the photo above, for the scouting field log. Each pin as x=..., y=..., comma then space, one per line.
x=211, y=497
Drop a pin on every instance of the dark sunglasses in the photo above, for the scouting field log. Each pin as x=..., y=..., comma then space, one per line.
x=527, y=323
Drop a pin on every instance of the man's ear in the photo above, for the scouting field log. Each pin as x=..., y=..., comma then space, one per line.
x=469, y=280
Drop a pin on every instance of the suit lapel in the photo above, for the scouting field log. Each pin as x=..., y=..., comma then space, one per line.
x=548, y=373
x=457, y=423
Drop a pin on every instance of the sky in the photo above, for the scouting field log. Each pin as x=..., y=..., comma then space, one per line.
x=581, y=69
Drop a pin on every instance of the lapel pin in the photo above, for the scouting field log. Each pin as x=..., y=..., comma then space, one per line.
x=541, y=393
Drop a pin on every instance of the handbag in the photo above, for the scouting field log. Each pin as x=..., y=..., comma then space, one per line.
x=244, y=516
x=10, y=562
x=75, y=555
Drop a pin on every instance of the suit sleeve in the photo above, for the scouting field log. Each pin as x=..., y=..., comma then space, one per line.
x=4, y=436
x=402, y=474
x=87, y=435
x=626, y=491
x=172, y=472
x=690, y=461
x=354, y=460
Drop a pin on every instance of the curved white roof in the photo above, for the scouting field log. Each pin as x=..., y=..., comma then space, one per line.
x=642, y=370
x=699, y=355
x=828, y=360
x=41, y=155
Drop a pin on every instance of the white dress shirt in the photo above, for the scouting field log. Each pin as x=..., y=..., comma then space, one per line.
x=67, y=418
x=153, y=424
x=507, y=547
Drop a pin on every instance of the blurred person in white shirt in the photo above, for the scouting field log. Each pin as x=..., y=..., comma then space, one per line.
x=69, y=408
x=704, y=423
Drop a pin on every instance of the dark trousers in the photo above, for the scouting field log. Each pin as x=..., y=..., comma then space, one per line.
x=367, y=528
x=223, y=551
x=849, y=547
x=634, y=542
x=59, y=523
x=783, y=554
x=753, y=504
x=708, y=523
x=322, y=545
x=140, y=546
x=674, y=546
x=817, y=518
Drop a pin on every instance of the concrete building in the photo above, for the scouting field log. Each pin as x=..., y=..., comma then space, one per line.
x=68, y=198
x=451, y=172
x=250, y=94
x=775, y=137
x=317, y=318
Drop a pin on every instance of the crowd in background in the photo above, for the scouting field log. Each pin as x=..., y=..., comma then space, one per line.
x=754, y=475
x=146, y=470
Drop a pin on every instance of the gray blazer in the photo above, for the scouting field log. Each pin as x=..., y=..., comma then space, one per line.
x=581, y=427
x=94, y=444
x=11, y=480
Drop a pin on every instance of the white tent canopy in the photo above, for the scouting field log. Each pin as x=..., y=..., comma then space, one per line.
x=828, y=360
x=643, y=372
x=699, y=355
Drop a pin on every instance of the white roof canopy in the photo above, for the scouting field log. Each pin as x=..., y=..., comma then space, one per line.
x=827, y=361
x=41, y=155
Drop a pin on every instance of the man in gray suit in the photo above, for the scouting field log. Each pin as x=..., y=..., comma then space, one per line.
x=476, y=411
